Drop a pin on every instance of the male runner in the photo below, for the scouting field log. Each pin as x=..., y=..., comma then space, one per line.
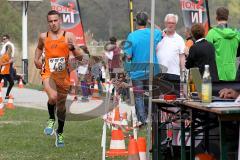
x=58, y=44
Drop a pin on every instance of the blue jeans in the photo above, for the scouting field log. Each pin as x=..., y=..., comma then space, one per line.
x=84, y=87
x=138, y=86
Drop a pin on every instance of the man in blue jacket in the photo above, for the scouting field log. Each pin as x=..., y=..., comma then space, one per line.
x=139, y=55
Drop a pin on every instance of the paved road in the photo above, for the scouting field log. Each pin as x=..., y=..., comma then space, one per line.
x=76, y=109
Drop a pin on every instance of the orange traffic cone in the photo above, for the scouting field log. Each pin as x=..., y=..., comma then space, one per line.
x=95, y=93
x=117, y=144
x=1, y=109
x=20, y=85
x=124, y=119
x=125, y=122
x=204, y=156
x=133, y=150
x=10, y=103
x=2, y=83
x=116, y=124
x=141, y=142
x=1, y=99
x=117, y=116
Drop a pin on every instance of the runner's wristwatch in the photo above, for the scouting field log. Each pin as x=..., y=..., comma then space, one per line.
x=71, y=47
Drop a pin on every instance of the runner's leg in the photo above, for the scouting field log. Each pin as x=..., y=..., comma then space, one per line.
x=61, y=111
x=11, y=83
x=50, y=88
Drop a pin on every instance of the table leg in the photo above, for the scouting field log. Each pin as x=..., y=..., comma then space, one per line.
x=223, y=146
x=192, y=147
x=206, y=135
x=183, y=148
x=156, y=131
x=239, y=142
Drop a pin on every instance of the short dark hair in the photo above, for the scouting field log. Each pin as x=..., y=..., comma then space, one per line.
x=53, y=12
x=6, y=35
x=141, y=18
x=198, y=31
x=222, y=14
x=113, y=40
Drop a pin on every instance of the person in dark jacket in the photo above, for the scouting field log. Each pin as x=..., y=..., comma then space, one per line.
x=202, y=53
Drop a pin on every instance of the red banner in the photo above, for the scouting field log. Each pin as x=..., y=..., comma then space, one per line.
x=70, y=12
x=194, y=11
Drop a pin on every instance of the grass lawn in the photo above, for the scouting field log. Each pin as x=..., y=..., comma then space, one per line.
x=22, y=138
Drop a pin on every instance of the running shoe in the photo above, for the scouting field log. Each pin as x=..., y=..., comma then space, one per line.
x=49, y=130
x=59, y=142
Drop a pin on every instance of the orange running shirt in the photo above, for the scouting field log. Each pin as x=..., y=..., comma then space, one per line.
x=5, y=69
x=56, y=58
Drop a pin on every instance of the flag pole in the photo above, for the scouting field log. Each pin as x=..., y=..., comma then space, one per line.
x=79, y=12
x=149, y=126
x=208, y=15
x=130, y=7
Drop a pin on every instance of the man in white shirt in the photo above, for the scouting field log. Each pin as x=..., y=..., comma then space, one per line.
x=170, y=51
x=6, y=42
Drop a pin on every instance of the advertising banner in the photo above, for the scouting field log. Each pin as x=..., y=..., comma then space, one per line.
x=194, y=11
x=70, y=12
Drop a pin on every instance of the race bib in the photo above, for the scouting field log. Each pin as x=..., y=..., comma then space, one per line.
x=57, y=64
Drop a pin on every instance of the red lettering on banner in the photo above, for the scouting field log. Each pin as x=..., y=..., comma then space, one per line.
x=188, y=5
x=63, y=9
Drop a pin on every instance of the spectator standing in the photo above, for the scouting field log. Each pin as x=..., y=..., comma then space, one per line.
x=113, y=57
x=189, y=41
x=170, y=52
x=96, y=73
x=82, y=71
x=226, y=41
x=202, y=53
x=138, y=53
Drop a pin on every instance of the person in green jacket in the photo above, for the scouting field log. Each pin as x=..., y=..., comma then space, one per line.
x=226, y=41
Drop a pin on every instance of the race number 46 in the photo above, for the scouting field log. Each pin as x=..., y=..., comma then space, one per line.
x=57, y=64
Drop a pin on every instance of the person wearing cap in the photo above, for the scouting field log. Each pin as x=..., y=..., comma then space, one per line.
x=138, y=54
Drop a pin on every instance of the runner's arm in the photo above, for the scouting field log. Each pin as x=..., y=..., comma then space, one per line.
x=77, y=52
x=38, y=52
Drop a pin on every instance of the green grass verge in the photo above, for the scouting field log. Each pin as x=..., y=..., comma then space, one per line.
x=22, y=138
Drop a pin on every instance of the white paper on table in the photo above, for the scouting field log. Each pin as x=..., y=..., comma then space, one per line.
x=223, y=104
x=109, y=55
